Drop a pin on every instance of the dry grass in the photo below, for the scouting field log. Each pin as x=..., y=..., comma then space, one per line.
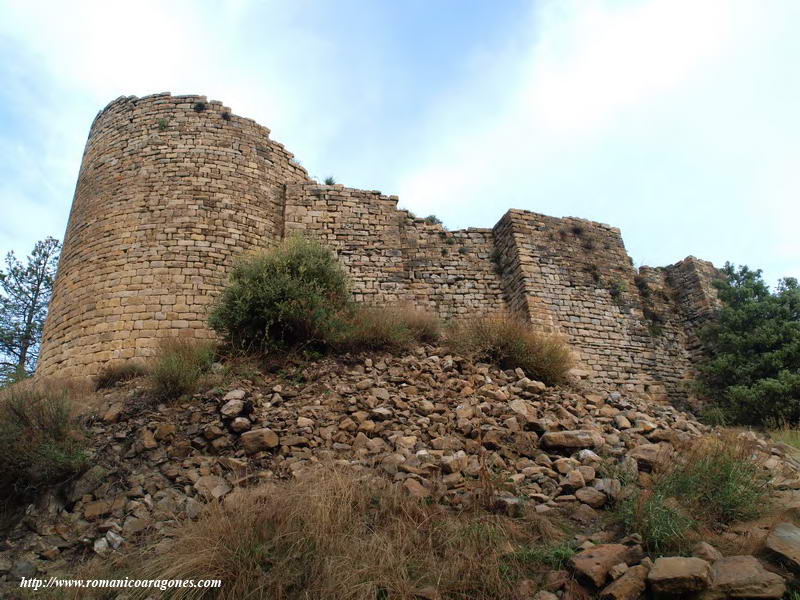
x=41, y=443
x=337, y=536
x=425, y=327
x=114, y=373
x=787, y=435
x=79, y=392
x=386, y=328
x=179, y=366
x=509, y=343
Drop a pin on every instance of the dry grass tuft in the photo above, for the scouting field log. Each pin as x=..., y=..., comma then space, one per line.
x=425, y=327
x=510, y=342
x=179, y=366
x=714, y=480
x=787, y=435
x=386, y=328
x=114, y=373
x=41, y=443
x=336, y=535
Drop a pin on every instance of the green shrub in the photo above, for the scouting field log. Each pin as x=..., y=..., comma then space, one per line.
x=767, y=401
x=753, y=372
x=41, y=443
x=385, y=328
x=509, y=343
x=288, y=296
x=113, y=373
x=178, y=367
x=617, y=289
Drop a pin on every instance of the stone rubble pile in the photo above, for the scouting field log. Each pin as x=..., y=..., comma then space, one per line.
x=440, y=426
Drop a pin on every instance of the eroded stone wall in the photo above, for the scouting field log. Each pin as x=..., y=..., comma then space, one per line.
x=173, y=188
x=393, y=257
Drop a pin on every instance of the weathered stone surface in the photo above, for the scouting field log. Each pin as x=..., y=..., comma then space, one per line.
x=629, y=586
x=240, y=424
x=555, y=580
x=593, y=564
x=259, y=439
x=113, y=413
x=95, y=510
x=706, y=551
x=164, y=431
x=428, y=448
x=148, y=439
x=415, y=488
x=591, y=496
x=649, y=455
x=212, y=487
x=743, y=577
x=232, y=408
x=571, y=440
x=88, y=482
x=237, y=394
x=784, y=542
x=611, y=488
x=676, y=575
x=617, y=570
x=114, y=539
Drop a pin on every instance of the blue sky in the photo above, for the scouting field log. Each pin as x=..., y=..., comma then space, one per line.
x=676, y=120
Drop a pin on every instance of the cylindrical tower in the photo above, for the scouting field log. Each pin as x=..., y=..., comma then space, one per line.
x=171, y=189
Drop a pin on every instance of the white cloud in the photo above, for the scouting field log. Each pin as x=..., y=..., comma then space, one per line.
x=654, y=116
x=586, y=64
x=594, y=61
x=673, y=119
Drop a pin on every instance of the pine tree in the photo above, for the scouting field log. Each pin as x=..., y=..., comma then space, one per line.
x=753, y=373
x=25, y=291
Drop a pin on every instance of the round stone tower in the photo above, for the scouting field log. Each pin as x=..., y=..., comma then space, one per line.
x=171, y=189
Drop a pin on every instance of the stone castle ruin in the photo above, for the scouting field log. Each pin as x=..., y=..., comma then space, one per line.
x=172, y=189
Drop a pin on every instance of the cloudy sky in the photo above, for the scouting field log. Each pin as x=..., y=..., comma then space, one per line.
x=676, y=120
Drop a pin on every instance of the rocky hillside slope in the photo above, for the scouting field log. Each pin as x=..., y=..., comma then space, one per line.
x=445, y=429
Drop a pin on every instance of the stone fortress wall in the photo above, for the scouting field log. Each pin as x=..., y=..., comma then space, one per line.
x=172, y=189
